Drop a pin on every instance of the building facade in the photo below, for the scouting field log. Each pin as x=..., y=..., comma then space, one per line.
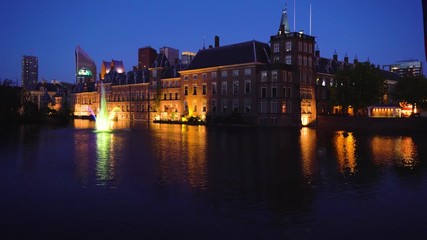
x=30, y=71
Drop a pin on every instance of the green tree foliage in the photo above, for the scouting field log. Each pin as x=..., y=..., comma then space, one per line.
x=357, y=86
x=412, y=90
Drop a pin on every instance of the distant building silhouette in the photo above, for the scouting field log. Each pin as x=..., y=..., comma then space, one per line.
x=406, y=68
x=85, y=67
x=146, y=57
x=30, y=71
x=172, y=54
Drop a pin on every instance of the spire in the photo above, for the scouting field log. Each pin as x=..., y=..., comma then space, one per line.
x=284, y=23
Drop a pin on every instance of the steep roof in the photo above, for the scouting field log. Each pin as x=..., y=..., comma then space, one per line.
x=329, y=66
x=240, y=53
x=161, y=61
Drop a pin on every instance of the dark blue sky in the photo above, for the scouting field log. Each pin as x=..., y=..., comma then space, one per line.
x=383, y=31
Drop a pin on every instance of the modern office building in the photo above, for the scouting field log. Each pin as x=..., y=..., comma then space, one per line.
x=172, y=54
x=85, y=67
x=30, y=71
x=407, y=68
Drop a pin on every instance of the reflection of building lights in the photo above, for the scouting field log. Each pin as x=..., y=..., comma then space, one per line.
x=304, y=121
x=345, y=146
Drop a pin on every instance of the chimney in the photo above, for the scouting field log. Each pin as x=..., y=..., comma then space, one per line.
x=335, y=56
x=356, y=60
x=346, y=58
x=216, y=41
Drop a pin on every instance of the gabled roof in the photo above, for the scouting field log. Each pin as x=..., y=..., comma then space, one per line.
x=173, y=71
x=240, y=53
x=330, y=66
x=161, y=61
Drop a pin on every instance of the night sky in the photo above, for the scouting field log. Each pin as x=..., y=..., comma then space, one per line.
x=383, y=31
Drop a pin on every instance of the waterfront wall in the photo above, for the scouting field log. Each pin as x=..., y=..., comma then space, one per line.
x=373, y=124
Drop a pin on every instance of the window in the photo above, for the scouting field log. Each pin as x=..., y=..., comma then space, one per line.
x=284, y=107
x=273, y=107
x=194, y=105
x=248, y=71
x=235, y=73
x=224, y=74
x=274, y=76
x=310, y=62
x=204, y=88
x=288, y=59
x=185, y=90
x=224, y=88
x=305, y=47
x=195, y=76
x=235, y=87
x=247, y=105
x=263, y=76
x=299, y=60
x=263, y=92
x=235, y=105
x=185, y=105
x=170, y=96
x=213, y=105
x=164, y=96
x=194, y=89
x=248, y=86
x=263, y=107
x=276, y=47
x=204, y=76
x=213, y=75
x=273, y=92
x=288, y=46
x=176, y=96
x=289, y=107
x=186, y=77
x=203, y=105
x=290, y=77
x=224, y=105
x=155, y=73
x=213, y=88
x=305, y=61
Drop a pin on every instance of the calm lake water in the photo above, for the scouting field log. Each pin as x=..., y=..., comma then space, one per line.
x=196, y=182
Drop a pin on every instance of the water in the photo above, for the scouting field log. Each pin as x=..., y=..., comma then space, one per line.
x=193, y=182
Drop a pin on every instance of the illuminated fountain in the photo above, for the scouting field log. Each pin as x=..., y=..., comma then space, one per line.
x=103, y=120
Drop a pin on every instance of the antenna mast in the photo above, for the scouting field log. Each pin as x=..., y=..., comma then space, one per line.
x=310, y=19
x=295, y=16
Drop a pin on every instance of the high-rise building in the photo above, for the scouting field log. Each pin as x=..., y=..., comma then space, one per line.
x=407, y=68
x=187, y=57
x=146, y=57
x=171, y=54
x=85, y=67
x=30, y=71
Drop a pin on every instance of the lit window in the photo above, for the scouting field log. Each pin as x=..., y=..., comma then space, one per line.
x=288, y=59
x=224, y=88
x=276, y=47
x=224, y=74
x=235, y=73
x=263, y=76
x=248, y=72
x=288, y=46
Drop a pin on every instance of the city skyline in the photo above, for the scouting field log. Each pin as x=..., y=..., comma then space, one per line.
x=382, y=33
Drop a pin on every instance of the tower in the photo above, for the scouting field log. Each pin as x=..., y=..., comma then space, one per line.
x=295, y=50
x=30, y=71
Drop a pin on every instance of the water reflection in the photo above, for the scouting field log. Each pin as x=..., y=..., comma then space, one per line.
x=401, y=151
x=308, y=141
x=105, y=164
x=181, y=152
x=345, y=146
x=95, y=157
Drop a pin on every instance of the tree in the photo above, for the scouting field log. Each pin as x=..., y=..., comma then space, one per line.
x=412, y=90
x=357, y=86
